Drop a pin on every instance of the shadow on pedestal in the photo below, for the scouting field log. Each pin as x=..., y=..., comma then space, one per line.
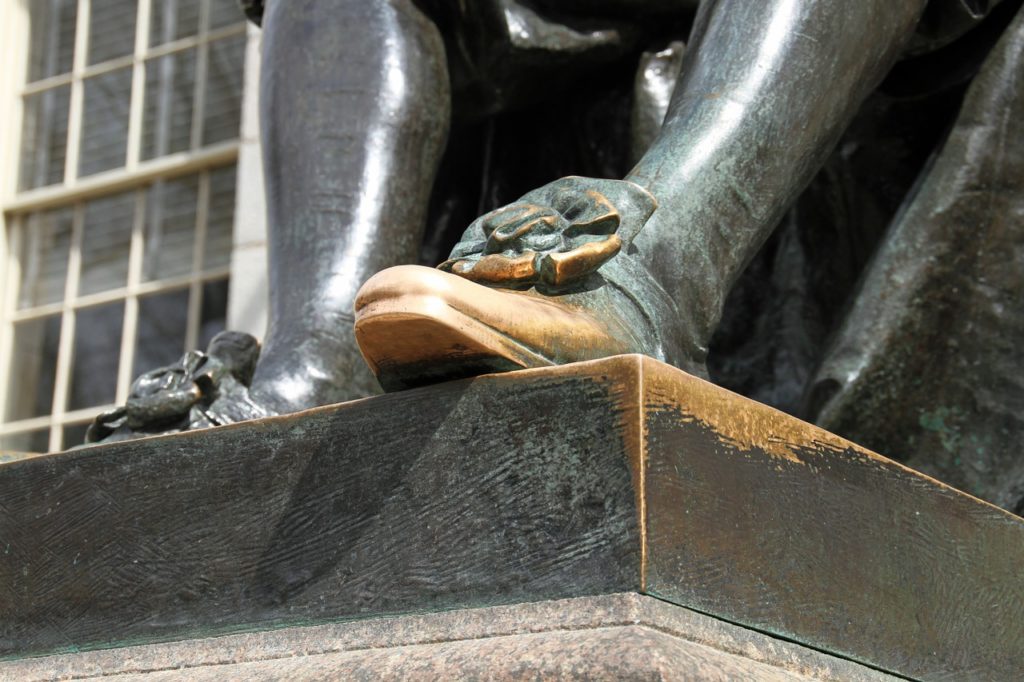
x=620, y=475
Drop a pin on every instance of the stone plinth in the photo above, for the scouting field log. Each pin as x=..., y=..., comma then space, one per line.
x=610, y=637
x=621, y=475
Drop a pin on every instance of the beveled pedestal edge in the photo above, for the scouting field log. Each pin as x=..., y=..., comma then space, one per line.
x=615, y=636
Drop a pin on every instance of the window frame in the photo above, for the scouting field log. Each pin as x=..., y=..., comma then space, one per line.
x=135, y=176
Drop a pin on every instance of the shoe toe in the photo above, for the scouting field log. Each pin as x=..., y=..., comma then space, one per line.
x=417, y=325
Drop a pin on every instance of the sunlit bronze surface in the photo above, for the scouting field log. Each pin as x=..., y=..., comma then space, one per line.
x=415, y=324
x=616, y=475
x=553, y=237
x=556, y=268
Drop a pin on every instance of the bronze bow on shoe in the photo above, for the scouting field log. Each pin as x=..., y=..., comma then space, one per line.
x=553, y=237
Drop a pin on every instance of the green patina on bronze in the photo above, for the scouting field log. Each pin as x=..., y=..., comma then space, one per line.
x=621, y=474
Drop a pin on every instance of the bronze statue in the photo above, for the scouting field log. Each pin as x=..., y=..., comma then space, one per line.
x=357, y=101
x=201, y=390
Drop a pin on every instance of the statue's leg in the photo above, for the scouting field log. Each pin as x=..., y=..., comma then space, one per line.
x=766, y=88
x=765, y=91
x=354, y=112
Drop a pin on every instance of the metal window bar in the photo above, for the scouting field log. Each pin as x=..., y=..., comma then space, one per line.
x=202, y=67
x=8, y=303
x=42, y=151
x=111, y=295
x=77, y=92
x=179, y=45
x=66, y=348
x=195, y=297
x=109, y=182
x=131, y=306
x=137, y=105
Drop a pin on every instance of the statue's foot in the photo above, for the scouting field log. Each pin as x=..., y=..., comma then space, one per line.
x=544, y=281
x=227, y=408
x=200, y=390
x=416, y=325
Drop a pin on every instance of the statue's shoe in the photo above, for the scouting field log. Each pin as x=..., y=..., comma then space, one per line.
x=417, y=326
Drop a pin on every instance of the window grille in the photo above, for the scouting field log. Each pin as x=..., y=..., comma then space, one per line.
x=118, y=236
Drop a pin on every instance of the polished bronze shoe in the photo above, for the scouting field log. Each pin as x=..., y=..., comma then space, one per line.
x=417, y=326
x=547, y=280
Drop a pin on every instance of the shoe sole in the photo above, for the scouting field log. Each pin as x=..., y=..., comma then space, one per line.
x=416, y=326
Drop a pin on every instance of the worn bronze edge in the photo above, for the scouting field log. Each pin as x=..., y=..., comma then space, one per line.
x=696, y=385
x=639, y=365
x=641, y=468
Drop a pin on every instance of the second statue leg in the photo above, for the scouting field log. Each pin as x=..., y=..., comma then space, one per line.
x=355, y=110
